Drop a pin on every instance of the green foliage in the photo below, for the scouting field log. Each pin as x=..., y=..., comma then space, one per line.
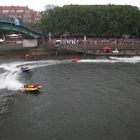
x=92, y=20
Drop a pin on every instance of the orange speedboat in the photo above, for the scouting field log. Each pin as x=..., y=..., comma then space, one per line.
x=31, y=88
x=75, y=59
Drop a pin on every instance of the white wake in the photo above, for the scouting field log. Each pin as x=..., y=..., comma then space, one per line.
x=135, y=59
x=9, y=78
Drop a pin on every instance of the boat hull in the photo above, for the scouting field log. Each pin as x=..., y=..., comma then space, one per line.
x=113, y=58
x=75, y=59
x=31, y=88
x=25, y=69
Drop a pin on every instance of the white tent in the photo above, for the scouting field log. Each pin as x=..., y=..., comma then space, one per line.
x=13, y=35
x=1, y=40
x=58, y=41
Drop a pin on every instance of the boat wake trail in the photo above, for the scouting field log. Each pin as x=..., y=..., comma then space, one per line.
x=135, y=59
x=9, y=78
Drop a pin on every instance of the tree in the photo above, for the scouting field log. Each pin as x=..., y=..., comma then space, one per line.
x=92, y=20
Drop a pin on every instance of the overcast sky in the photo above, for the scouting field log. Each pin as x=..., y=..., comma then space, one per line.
x=40, y=4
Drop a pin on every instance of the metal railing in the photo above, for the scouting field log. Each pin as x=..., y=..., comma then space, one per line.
x=6, y=19
x=17, y=22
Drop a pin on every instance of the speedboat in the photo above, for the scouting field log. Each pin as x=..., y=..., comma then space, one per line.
x=37, y=85
x=31, y=88
x=25, y=69
x=28, y=55
x=113, y=58
x=75, y=59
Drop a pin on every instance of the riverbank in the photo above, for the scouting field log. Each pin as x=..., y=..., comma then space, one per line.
x=69, y=50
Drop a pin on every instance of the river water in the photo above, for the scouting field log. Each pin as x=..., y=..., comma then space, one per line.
x=93, y=99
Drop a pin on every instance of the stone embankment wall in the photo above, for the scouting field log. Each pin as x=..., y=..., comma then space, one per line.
x=61, y=49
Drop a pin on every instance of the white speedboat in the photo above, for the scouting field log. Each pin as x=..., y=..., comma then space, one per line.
x=113, y=58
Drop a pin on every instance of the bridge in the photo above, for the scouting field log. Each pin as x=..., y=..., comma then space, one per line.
x=17, y=25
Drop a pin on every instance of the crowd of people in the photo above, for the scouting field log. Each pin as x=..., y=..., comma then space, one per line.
x=98, y=41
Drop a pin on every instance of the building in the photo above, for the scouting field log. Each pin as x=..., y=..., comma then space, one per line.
x=22, y=12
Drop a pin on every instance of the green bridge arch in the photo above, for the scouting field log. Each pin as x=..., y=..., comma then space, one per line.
x=9, y=23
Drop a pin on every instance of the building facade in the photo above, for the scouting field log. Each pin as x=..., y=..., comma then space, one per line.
x=22, y=12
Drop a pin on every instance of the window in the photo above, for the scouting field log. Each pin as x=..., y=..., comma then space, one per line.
x=12, y=11
x=20, y=11
x=5, y=11
x=27, y=11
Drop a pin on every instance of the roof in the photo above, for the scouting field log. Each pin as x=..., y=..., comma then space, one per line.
x=14, y=7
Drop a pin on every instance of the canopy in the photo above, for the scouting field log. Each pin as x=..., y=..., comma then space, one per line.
x=106, y=48
x=1, y=40
x=58, y=41
x=13, y=35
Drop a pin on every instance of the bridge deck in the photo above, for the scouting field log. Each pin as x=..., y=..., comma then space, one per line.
x=10, y=23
